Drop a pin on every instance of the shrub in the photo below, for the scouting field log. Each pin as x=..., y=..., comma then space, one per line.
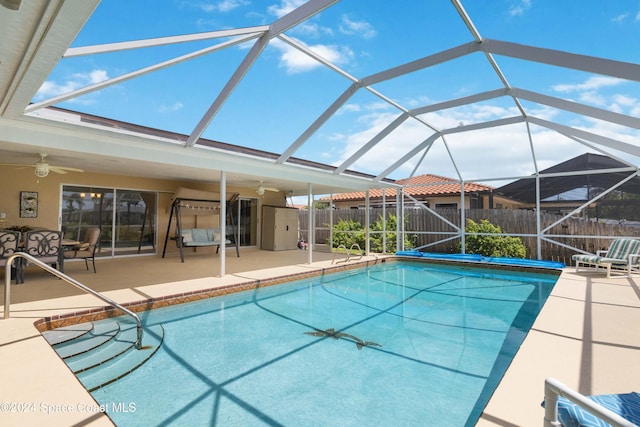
x=391, y=227
x=347, y=233
x=492, y=246
x=350, y=232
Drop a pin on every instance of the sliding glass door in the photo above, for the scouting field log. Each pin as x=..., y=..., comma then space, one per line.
x=245, y=217
x=127, y=218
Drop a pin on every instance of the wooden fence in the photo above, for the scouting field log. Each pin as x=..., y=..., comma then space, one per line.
x=424, y=229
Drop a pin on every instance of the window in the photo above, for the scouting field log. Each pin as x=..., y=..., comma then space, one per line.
x=127, y=218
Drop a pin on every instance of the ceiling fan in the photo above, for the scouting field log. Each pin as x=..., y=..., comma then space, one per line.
x=261, y=189
x=42, y=168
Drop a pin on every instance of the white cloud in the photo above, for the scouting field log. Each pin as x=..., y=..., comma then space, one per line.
x=170, y=108
x=498, y=152
x=620, y=18
x=295, y=61
x=285, y=6
x=361, y=28
x=229, y=5
x=222, y=6
x=591, y=92
x=312, y=29
x=594, y=98
x=520, y=7
x=51, y=88
x=592, y=83
x=349, y=108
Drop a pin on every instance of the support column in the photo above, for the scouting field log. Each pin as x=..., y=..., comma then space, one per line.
x=222, y=220
x=367, y=223
x=312, y=226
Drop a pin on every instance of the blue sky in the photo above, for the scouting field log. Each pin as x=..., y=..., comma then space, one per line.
x=285, y=91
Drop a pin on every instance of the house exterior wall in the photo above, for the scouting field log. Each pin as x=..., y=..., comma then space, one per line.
x=15, y=179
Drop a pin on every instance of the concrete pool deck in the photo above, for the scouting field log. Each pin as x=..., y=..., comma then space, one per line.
x=585, y=335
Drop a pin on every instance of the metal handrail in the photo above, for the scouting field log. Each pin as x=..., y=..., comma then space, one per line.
x=336, y=252
x=60, y=275
x=359, y=250
x=348, y=252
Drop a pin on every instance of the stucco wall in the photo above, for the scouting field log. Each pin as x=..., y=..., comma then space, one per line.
x=13, y=180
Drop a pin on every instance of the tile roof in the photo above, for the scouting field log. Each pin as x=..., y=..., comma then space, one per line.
x=418, y=186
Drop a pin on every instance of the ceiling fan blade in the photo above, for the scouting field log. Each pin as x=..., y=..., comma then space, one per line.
x=271, y=189
x=15, y=164
x=62, y=169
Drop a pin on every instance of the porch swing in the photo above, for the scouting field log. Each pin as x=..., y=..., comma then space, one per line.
x=200, y=203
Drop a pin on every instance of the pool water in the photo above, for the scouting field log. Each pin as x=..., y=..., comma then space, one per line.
x=396, y=343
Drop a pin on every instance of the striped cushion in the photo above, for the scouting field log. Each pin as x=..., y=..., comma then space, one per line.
x=626, y=405
x=618, y=253
x=621, y=248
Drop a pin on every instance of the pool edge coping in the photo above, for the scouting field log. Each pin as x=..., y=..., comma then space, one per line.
x=106, y=311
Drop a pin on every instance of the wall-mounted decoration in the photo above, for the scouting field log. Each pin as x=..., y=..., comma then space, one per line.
x=28, y=204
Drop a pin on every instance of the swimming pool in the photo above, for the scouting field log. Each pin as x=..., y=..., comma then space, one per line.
x=400, y=343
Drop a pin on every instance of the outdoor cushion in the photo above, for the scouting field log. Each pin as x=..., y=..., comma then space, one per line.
x=618, y=254
x=626, y=405
x=202, y=237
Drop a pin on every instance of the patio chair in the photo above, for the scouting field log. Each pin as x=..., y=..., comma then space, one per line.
x=622, y=253
x=45, y=245
x=9, y=243
x=566, y=407
x=87, y=249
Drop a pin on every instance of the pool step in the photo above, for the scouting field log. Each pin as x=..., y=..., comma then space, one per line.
x=102, y=353
x=98, y=336
x=68, y=333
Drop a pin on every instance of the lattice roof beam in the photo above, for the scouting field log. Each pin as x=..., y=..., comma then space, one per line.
x=592, y=64
x=589, y=136
x=476, y=35
x=137, y=73
x=161, y=41
x=291, y=19
x=376, y=139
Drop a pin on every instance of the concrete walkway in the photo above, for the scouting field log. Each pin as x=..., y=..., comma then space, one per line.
x=585, y=335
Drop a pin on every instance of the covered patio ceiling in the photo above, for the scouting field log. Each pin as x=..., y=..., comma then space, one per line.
x=421, y=132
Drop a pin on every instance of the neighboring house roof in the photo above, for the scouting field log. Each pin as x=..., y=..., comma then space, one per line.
x=525, y=189
x=421, y=186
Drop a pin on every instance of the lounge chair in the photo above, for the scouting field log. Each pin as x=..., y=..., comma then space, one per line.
x=566, y=407
x=622, y=253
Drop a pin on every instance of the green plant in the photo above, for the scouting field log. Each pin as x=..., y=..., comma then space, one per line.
x=391, y=227
x=350, y=232
x=492, y=246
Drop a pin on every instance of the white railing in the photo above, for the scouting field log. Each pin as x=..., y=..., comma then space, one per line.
x=60, y=275
x=348, y=252
x=554, y=388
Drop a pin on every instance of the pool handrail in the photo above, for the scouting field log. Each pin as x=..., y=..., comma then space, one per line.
x=348, y=251
x=60, y=275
